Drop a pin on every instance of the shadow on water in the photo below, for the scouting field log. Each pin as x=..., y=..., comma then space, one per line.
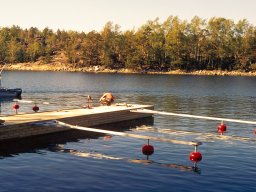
x=34, y=144
x=54, y=142
x=147, y=161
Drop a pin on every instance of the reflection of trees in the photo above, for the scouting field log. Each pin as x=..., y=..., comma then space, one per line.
x=97, y=155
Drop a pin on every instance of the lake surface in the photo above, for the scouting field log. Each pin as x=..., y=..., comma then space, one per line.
x=80, y=161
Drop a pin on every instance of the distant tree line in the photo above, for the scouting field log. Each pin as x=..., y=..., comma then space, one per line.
x=200, y=44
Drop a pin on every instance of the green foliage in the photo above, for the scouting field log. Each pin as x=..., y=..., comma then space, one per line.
x=218, y=43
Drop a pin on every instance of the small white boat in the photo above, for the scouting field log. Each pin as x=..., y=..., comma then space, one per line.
x=8, y=92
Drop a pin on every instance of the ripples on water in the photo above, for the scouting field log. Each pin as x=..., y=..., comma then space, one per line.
x=80, y=161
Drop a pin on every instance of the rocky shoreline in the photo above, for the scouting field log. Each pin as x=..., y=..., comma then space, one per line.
x=39, y=66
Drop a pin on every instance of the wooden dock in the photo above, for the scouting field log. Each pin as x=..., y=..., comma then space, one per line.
x=34, y=124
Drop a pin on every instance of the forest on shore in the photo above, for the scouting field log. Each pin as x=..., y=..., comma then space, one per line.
x=174, y=44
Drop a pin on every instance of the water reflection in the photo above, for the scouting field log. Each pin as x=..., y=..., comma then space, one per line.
x=56, y=143
x=97, y=155
x=193, y=168
x=34, y=144
x=6, y=102
x=199, y=136
x=2, y=101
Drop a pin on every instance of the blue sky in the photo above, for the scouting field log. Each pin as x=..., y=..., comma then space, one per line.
x=87, y=15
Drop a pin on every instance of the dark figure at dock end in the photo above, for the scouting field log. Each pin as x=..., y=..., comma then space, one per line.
x=89, y=102
x=107, y=99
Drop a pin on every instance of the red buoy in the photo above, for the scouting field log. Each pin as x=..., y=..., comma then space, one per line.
x=195, y=156
x=222, y=128
x=255, y=131
x=147, y=149
x=107, y=137
x=35, y=108
x=15, y=106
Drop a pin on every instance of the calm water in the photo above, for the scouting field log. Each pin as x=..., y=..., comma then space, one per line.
x=80, y=161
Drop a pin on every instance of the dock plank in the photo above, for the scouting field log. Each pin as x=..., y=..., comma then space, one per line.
x=23, y=125
x=67, y=113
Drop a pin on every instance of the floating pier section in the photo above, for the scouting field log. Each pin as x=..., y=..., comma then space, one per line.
x=34, y=124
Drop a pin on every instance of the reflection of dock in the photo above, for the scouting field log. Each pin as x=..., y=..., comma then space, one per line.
x=25, y=125
x=50, y=141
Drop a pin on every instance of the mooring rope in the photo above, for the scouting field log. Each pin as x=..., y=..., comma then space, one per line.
x=203, y=136
x=193, y=116
x=194, y=143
